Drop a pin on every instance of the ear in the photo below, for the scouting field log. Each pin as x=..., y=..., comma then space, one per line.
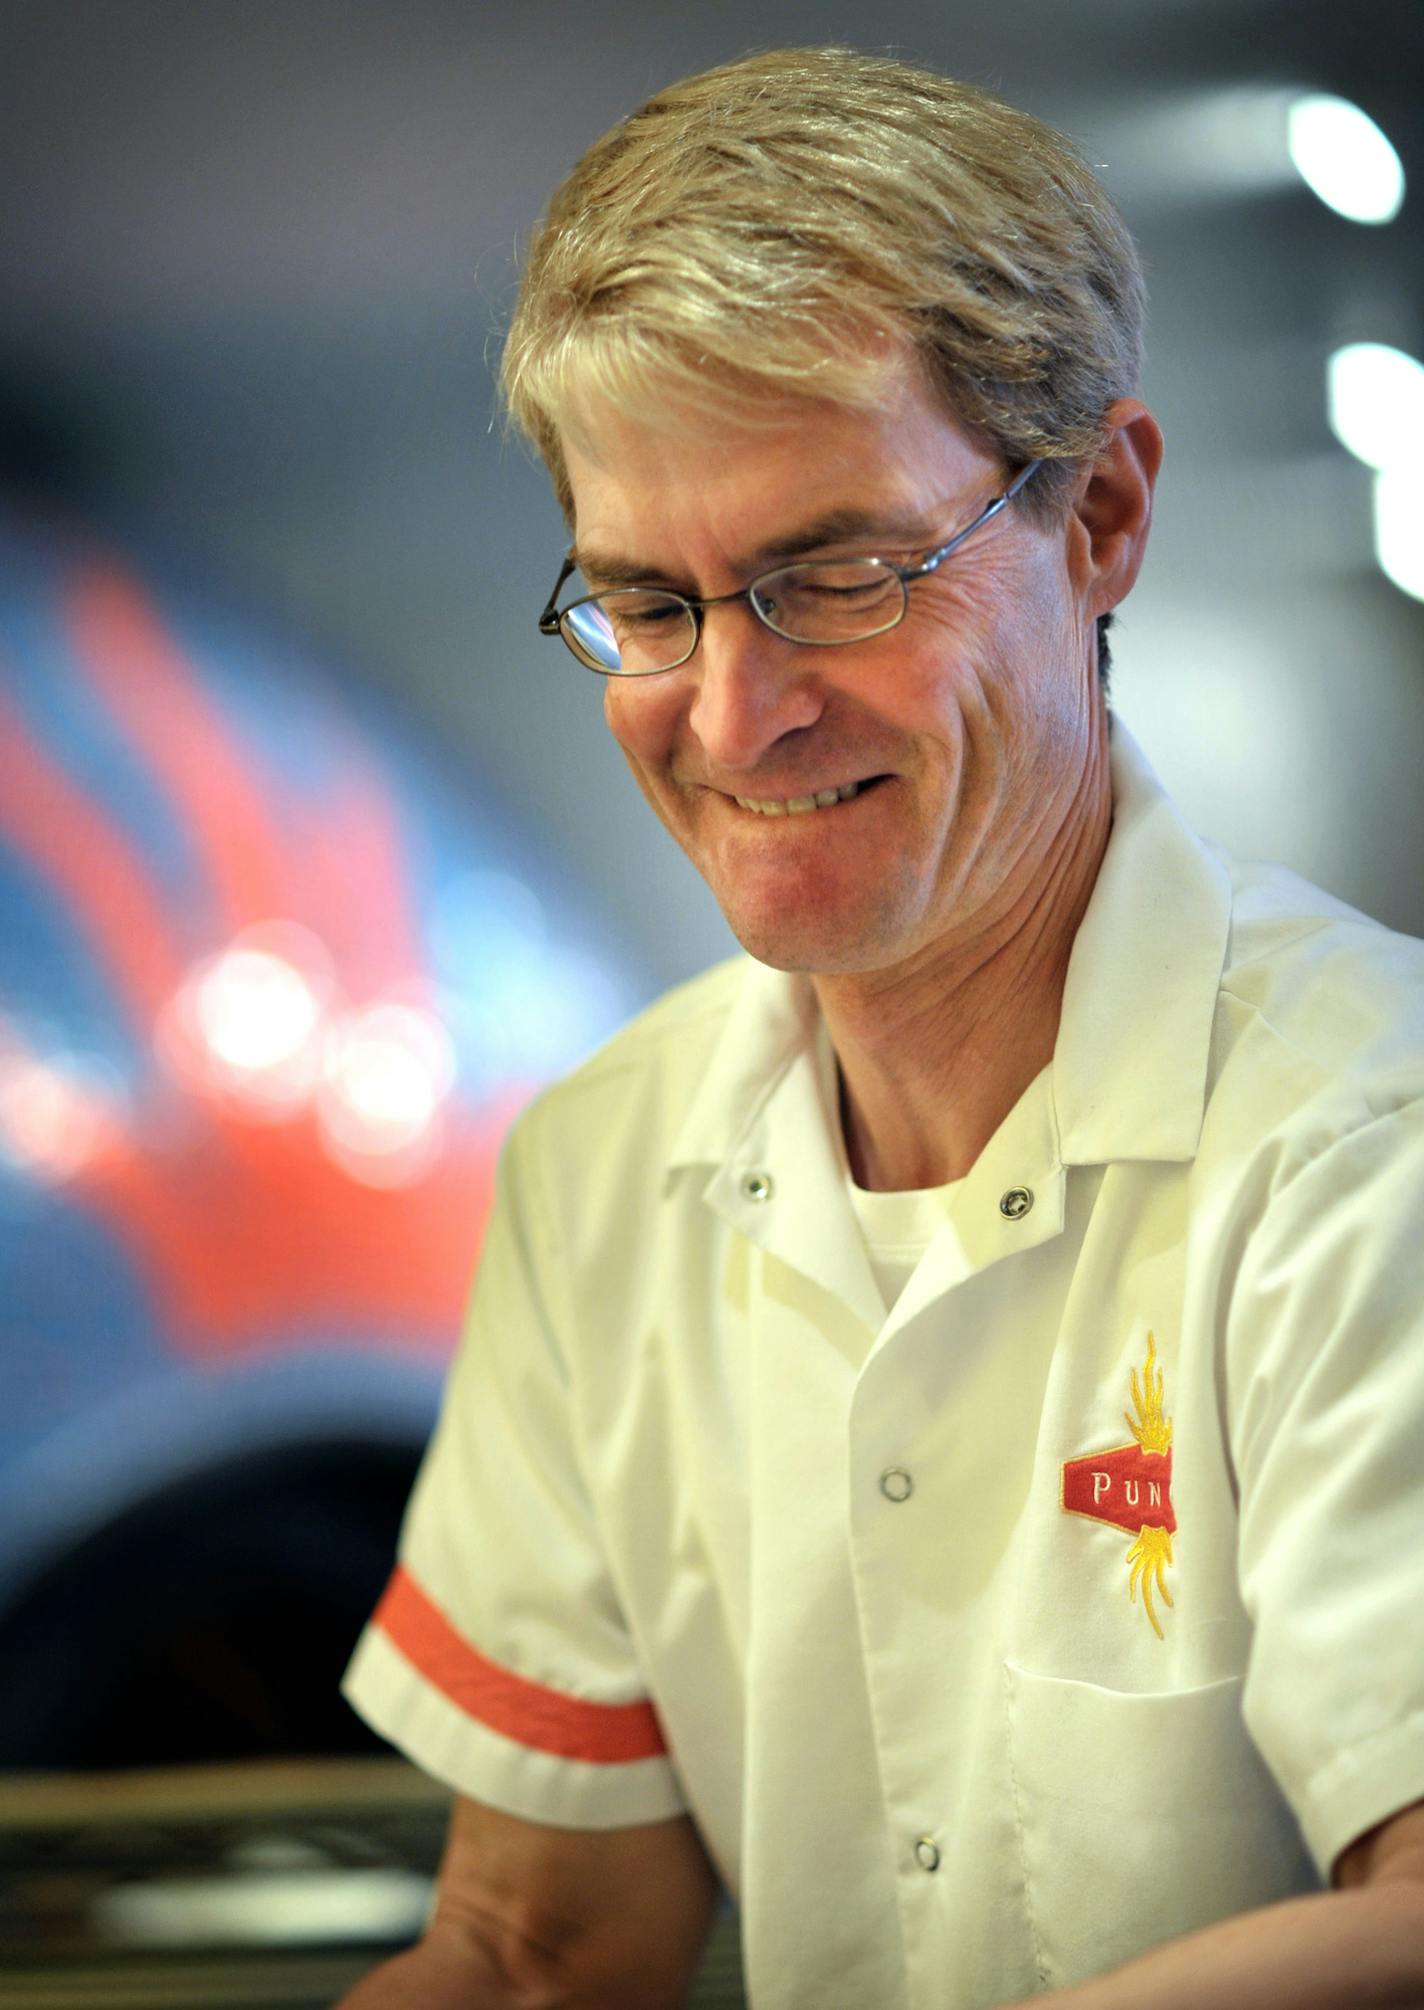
x=1112, y=507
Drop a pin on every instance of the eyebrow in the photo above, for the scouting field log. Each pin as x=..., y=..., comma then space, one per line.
x=852, y=523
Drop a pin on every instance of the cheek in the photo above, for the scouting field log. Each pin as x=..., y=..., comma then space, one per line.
x=642, y=717
x=999, y=650
x=621, y=715
x=1015, y=625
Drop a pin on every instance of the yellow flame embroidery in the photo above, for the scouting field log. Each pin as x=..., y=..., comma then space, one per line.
x=1149, y=1557
x=1151, y=1553
x=1153, y=1430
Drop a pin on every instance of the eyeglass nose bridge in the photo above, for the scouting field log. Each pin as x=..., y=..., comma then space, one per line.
x=697, y=608
x=750, y=593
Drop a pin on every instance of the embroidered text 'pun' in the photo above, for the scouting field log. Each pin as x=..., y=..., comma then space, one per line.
x=1130, y=1487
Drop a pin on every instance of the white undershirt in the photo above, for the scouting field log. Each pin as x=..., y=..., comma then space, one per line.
x=897, y=1228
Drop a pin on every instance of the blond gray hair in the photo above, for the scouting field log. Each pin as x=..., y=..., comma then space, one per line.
x=794, y=224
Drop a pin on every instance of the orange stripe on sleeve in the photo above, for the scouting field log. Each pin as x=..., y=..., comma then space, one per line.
x=602, y=1733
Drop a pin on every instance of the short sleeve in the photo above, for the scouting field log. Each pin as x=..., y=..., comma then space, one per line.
x=498, y=1659
x=1326, y=1401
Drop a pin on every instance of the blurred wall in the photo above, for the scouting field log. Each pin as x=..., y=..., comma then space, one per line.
x=255, y=261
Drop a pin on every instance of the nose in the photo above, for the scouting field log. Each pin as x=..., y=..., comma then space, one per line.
x=753, y=687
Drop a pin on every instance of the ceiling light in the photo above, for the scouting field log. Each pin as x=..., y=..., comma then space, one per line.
x=1340, y=152
x=1375, y=403
x=1399, y=527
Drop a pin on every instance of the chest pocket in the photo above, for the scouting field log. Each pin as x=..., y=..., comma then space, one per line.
x=1140, y=1817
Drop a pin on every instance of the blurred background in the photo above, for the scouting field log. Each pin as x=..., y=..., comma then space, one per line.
x=315, y=860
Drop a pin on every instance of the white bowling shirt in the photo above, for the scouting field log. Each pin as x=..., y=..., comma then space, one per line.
x=1074, y=1604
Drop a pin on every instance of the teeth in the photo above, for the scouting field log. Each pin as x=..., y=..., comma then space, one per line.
x=798, y=806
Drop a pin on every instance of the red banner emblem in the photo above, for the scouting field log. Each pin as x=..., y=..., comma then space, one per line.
x=1130, y=1487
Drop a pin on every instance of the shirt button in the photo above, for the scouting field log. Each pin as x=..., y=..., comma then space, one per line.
x=896, y=1484
x=756, y=1185
x=1016, y=1202
x=927, y=1854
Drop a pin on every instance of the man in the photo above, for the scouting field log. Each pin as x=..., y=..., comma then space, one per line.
x=936, y=1446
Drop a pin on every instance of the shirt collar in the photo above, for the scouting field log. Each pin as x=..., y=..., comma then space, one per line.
x=774, y=1017
x=1139, y=1002
x=1130, y=1063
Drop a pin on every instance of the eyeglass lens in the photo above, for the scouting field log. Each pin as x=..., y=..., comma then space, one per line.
x=633, y=631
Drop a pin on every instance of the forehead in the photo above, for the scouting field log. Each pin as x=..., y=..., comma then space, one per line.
x=682, y=486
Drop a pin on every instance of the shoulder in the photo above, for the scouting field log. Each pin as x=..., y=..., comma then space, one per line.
x=1320, y=1024
x=1319, y=1001
x=1296, y=949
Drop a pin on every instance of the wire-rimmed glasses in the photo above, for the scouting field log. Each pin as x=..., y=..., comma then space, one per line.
x=638, y=631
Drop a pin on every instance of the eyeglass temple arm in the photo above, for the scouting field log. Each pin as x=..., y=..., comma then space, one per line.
x=937, y=558
x=1018, y=481
x=549, y=619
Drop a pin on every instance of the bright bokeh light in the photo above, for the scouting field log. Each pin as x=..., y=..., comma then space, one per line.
x=1375, y=403
x=389, y=1070
x=249, y=1023
x=1399, y=526
x=58, y=1112
x=1341, y=154
x=264, y=1026
x=256, y=1010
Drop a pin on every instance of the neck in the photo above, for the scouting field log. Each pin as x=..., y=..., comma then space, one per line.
x=933, y=1059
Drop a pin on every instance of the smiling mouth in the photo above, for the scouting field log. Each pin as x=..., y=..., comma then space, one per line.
x=800, y=806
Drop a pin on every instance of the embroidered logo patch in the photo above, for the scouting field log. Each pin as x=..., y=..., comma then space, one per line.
x=1130, y=1487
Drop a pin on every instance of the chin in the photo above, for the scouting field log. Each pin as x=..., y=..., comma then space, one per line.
x=816, y=951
